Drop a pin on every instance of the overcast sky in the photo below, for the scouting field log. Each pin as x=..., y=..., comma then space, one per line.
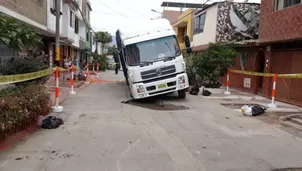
x=109, y=15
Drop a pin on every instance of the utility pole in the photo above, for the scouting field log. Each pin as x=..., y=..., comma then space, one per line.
x=58, y=10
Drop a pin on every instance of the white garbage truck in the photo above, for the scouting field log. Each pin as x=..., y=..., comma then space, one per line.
x=152, y=60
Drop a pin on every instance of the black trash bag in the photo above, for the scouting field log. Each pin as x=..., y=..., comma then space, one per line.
x=206, y=93
x=194, y=90
x=257, y=110
x=52, y=122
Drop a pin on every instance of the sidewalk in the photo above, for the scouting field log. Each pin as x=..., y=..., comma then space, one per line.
x=284, y=114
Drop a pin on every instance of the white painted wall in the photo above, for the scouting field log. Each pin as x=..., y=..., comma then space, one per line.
x=209, y=33
x=51, y=19
x=76, y=42
x=67, y=31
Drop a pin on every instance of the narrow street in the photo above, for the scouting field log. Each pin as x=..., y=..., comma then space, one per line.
x=101, y=133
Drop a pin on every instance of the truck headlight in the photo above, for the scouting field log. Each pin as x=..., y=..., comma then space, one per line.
x=140, y=89
x=181, y=80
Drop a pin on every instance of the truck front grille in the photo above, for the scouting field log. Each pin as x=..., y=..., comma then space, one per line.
x=154, y=73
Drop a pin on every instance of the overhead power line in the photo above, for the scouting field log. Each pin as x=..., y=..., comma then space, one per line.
x=113, y=9
x=106, y=13
x=132, y=10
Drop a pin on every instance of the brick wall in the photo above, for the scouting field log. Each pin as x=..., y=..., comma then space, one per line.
x=32, y=9
x=284, y=24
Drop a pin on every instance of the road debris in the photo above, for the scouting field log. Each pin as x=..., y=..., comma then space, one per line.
x=52, y=122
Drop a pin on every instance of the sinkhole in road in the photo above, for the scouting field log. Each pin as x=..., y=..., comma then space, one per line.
x=155, y=104
x=238, y=105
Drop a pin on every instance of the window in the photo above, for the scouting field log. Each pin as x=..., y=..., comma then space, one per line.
x=76, y=25
x=199, y=23
x=87, y=36
x=72, y=21
x=164, y=48
x=280, y=4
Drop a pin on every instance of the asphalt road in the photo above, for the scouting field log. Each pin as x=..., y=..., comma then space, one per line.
x=102, y=134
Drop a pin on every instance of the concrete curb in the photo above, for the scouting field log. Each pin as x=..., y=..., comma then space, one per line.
x=288, y=123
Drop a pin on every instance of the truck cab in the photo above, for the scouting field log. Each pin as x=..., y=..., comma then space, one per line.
x=152, y=60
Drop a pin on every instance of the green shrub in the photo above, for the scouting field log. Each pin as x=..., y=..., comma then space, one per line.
x=25, y=65
x=213, y=63
x=101, y=59
x=21, y=106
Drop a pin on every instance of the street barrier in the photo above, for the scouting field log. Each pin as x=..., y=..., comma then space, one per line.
x=72, y=92
x=57, y=108
x=272, y=104
x=227, y=92
x=87, y=74
x=98, y=70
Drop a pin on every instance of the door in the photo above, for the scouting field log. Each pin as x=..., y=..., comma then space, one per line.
x=260, y=64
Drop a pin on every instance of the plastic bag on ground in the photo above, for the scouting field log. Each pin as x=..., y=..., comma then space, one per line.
x=257, y=110
x=252, y=110
x=52, y=122
x=246, y=110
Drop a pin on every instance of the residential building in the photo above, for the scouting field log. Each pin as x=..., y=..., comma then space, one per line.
x=183, y=26
x=171, y=15
x=75, y=36
x=224, y=22
x=73, y=30
x=278, y=50
x=23, y=11
x=281, y=33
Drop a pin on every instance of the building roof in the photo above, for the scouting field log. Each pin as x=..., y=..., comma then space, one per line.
x=181, y=5
x=171, y=15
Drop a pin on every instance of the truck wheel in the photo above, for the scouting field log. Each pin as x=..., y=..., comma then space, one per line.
x=182, y=94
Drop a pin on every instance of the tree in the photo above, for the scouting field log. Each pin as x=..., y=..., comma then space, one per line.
x=112, y=50
x=214, y=62
x=16, y=35
x=103, y=37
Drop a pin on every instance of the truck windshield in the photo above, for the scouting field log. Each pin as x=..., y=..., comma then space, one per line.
x=152, y=50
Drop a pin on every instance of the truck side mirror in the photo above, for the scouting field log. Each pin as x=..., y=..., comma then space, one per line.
x=188, y=44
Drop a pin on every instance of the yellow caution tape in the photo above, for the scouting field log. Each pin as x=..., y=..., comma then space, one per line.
x=252, y=73
x=290, y=75
x=298, y=75
x=9, y=79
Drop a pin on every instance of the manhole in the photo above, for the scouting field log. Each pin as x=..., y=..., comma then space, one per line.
x=155, y=104
x=288, y=169
x=238, y=105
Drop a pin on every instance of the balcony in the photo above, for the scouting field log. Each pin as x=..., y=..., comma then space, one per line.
x=74, y=4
